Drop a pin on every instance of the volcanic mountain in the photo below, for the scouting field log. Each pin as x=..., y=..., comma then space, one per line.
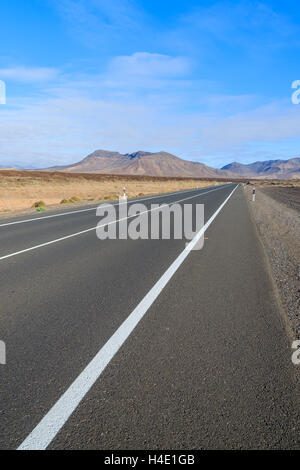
x=141, y=163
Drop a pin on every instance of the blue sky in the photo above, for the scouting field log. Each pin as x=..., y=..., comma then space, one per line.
x=208, y=81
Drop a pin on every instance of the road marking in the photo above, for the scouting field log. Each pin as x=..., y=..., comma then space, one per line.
x=94, y=228
x=34, y=219
x=47, y=429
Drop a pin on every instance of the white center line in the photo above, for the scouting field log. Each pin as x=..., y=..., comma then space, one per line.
x=44, y=433
x=94, y=228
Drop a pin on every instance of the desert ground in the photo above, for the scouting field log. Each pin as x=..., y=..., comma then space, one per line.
x=20, y=190
x=276, y=212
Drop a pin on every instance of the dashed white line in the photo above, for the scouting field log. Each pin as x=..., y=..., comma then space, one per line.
x=35, y=219
x=26, y=250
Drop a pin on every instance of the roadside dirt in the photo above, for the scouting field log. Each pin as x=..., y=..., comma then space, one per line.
x=288, y=196
x=276, y=213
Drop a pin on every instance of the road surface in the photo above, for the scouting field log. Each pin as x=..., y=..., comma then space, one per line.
x=123, y=344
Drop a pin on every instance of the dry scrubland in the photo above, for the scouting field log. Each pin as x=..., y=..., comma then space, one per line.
x=20, y=190
x=276, y=212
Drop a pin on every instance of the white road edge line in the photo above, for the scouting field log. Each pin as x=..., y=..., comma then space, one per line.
x=34, y=219
x=47, y=429
x=94, y=228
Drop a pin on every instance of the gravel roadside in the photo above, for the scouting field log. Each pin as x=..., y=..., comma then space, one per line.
x=286, y=195
x=278, y=223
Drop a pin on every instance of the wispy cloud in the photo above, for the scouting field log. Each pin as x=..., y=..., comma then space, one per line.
x=271, y=123
x=248, y=24
x=64, y=127
x=150, y=65
x=29, y=74
x=91, y=21
x=147, y=76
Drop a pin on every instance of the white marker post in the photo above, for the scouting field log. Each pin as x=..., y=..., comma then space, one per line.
x=124, y=194
x=253, y=195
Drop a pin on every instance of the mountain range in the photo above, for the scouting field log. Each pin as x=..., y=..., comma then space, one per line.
x=269, y=169
x=166, y=164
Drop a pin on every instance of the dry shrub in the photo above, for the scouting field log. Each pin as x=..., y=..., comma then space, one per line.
x=71, y=200
x=112, y=197
x=38, y=204
x=75, y=199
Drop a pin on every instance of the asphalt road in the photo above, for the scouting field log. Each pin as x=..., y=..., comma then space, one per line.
x=208, y=366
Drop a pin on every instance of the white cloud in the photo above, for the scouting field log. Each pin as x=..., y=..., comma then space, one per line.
x=28, y=74
x=271, y=123
x=150, y=65
x=63, y=130
x=151, y=107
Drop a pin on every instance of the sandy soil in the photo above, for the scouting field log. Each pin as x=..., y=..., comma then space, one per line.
x=276, y=212
x=19, y=190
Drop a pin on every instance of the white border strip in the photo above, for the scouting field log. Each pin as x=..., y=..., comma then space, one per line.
x=54, y=420
x=94, y=228
x=34, y=219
